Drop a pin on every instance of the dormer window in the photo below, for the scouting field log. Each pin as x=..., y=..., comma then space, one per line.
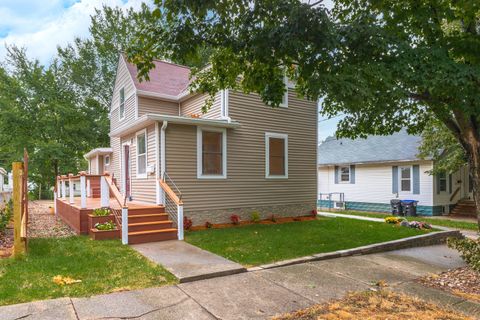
x=121, y=111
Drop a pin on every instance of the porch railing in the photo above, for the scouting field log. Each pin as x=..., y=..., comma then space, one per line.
x=118, y=204
x=172, y=199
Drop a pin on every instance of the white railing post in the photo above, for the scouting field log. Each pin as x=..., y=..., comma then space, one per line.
x=70, y=189
x=104, y=193
x=83, y=191
x=64, y=189
x=89, y=191
x=180, y=221
x=124, y=225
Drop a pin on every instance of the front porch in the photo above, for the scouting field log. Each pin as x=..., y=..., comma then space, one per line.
x=138, y=222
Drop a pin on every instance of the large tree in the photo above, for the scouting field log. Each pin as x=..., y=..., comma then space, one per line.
x=385, y=64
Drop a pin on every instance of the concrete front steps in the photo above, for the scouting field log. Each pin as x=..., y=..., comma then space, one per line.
x=464, y=208
x=149, y=224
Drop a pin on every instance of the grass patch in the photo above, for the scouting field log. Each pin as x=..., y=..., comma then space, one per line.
x=102, y=266
x=375, y=305
x=260, y=243
x=436, y=221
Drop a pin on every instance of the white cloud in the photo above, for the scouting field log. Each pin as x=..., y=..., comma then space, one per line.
x=41, y=26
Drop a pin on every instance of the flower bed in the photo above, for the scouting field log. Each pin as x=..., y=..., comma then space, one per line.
x=104, y=231
x=239, y=222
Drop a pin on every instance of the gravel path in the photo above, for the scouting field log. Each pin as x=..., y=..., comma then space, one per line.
x=43, y=224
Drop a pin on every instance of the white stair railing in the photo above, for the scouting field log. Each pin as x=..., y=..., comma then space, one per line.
x=173, y=203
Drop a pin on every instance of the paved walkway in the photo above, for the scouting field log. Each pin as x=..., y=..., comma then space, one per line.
x=467, y=233
x=261, y=294
x=187, y=262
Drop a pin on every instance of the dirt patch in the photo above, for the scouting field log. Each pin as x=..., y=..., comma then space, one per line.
x=374, y=305
x=43, y=223
x=464, y=282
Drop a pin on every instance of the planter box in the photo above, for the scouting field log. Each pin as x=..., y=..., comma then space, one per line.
x=104, y=234
x=93, y=220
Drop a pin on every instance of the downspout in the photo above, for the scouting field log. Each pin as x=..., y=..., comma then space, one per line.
x=162, y=158
x=158, y=199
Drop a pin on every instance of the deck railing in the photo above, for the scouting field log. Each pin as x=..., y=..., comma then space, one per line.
x=118, y=204
x=172, y=199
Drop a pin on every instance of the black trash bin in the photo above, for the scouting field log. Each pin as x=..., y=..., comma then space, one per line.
x=397, y=209
x=410, y=207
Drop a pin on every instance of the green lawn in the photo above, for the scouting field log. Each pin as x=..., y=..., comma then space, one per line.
x=439, y=222
x=103, y=266
x=259, y=243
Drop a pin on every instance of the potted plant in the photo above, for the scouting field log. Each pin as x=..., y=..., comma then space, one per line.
x=99, y=215
x=104, y=231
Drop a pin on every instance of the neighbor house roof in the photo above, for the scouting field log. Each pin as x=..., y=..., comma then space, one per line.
x=165, y=78
x=397, y=147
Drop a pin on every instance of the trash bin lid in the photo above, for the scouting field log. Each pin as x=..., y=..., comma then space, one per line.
x=395, y=201
x=409, y=201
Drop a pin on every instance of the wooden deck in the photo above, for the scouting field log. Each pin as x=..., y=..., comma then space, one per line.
x=94, y=203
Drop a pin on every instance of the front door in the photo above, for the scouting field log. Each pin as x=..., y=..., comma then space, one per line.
x=126, y=166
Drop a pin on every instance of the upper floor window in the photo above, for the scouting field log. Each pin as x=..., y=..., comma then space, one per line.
x=121, y=111
x=284, y=103
x=345, y=174
x=211, y=153
x=276, y=149
x=142, y=154
x=405, y=179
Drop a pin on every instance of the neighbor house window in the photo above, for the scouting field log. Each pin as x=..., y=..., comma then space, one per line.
x=442, y=182
x=276, y=155
x=142, y=154
x=405, y=179
x=345, y=174
x=121, y=111
x=107, y=160
x=211, y=153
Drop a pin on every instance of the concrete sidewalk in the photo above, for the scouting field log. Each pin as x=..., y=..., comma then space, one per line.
x=188, y=262
x=262, y=294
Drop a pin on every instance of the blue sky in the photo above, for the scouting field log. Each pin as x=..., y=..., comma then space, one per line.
x=42, y=25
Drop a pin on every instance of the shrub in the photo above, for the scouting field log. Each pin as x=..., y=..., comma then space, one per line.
x=101, y=212
x=187, y=223
x=469, y=250
x=6, y=215
x=208, y=225
x=273, y=218
x=314, y=213
x=110, y=225
x=235, y=219
x=255, y=216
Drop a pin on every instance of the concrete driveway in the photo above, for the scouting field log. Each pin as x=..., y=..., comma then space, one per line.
x=261, y=294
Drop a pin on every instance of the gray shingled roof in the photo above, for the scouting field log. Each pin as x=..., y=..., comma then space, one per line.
x=397, y=147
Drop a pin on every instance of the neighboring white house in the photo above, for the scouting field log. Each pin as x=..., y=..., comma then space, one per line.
x=5, y=185
x=372, y=171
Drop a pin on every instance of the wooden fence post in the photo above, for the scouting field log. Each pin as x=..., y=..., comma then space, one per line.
x=18, y=242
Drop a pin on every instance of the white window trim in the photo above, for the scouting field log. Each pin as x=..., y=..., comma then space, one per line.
x=283, y=136
x=400, y=180
x=200, y=174
x=284, y=103
x=340, y=174
x=120, y=118
x=105, y=162
x=141, y=175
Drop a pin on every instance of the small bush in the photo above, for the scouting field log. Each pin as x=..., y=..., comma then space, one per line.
x=187, y=223
x=393, y=220
x=208, y=225
x=255, y=216
x=314, y=213
x=273, y=218
x=469, y=250
x=101, y=212
x=235, y=219
x=110, y=225
x=6, y=216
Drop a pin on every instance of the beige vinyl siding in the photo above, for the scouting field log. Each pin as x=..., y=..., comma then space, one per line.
x=130, y=105
x=93, y=165
x=115, y=160
x=194, y=105
x=142, y=189
x=246, y=185
x=149, y=105
x=123, y=80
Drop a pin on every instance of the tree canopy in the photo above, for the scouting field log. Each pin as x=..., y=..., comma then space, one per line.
x=385, y=64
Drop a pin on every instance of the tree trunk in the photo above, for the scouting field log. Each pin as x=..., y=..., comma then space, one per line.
x=475, y=173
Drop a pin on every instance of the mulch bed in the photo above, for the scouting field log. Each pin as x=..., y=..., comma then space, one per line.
x=43, y=224
x=464, y=282
x=244, y=223
x=6, y=243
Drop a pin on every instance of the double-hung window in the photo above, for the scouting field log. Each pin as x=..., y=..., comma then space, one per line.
x=345, y=174
x=211, y=153
x=142, y=154
x=405, y=179
x=276, y=155
x=121, y=109
x=442, y=182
